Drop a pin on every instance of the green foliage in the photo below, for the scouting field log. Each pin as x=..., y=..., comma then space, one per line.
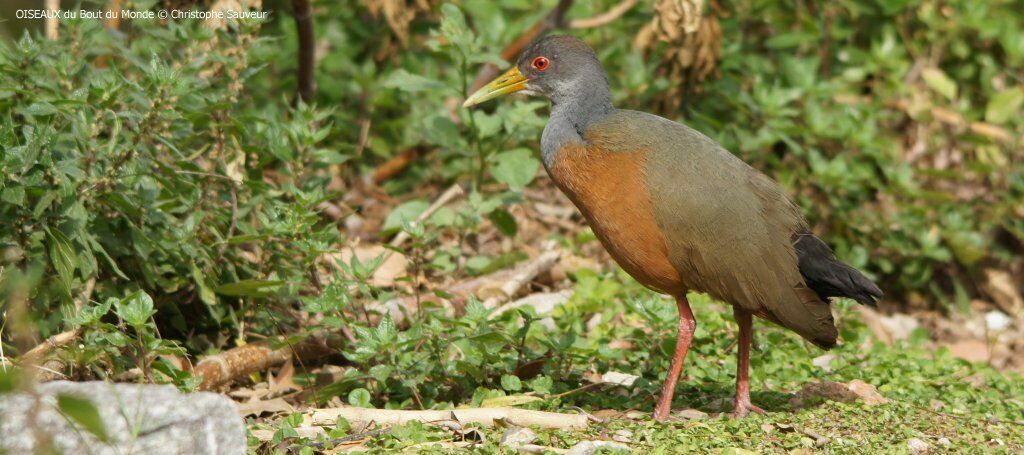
x=477, y=360
x=159, y=191
x=817, y=104
x=144, y=167
x=83, y=412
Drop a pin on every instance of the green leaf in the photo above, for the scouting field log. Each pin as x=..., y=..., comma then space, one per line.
x=359, y=398
x=136, y=309
x=84, y=413
x=511, y=383
x=542, y=385
x=940, y=82
x=453, y=27
x=510, y=400
x=1005, y=105
x=504, y=221
x=205, y=293
x=406, y=212
x=14, y=195
x=38, y=109
x=516, y=168
x=10, y=380
x=63, y=256
x=408, y=82
x=248, y=288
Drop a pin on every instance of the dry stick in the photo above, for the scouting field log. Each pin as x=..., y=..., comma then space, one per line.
x=451, y=193
x=41, y=350
x=51, y=21
x=396, y=164
x=307, y=49
x=524, y=275
x=482, y=416
x=53, y=369
x=512, y=282
x=941, y=114
x=239, y=362
x=601, y=19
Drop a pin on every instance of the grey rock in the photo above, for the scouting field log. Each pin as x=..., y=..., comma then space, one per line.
x=139, y=419
x=589, y=447
x=917, y=446
x=692, y=414
x=518, y=436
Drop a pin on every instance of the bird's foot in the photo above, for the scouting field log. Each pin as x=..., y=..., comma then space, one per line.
x=662, y=411
x=744, y=408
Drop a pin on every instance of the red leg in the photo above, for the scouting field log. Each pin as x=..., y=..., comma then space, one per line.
x=743, y=405
x=687, y=325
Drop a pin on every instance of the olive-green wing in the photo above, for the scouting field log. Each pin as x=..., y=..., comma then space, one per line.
x=728, y=227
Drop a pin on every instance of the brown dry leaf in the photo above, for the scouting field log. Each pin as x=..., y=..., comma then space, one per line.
x=398, y=14
x=283, y=382
x=972, y=350
x=393, y=268
x=258, y=408
x=693, y=46
x=999, y=284
x=262, y=435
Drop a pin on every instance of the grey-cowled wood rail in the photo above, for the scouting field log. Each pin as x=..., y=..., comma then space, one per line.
x=678, y=212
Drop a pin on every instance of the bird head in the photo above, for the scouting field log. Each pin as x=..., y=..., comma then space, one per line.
x=555, y=67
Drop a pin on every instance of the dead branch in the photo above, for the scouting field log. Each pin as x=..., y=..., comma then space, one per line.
x=236, y=363
x=54, y=369
x=43, y=349
x=543, y=303
x=396, y=164
x=450, y=194
x=996, y=133
x=499, y=287
x=524, y=275
x=51, y=21
x=554, y=19
x=601, y=19
x=482, y=416
x=307, y=49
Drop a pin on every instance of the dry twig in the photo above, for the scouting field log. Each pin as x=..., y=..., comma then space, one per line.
x=524, y=275
x=482, y=416
x=307, y=49
x=236, y=363
x=450, y=194
x=601, y=19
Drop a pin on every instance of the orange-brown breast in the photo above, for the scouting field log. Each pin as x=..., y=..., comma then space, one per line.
x=609, y=189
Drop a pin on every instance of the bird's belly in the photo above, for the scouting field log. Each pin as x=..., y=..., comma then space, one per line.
x=609, y=189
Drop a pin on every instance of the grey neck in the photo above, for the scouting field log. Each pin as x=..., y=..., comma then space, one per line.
x=574, y=107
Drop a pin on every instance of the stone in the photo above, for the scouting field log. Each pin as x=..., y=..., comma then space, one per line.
x=692, y=414
x=590, y=447
x=899, y=325
x=619, y=378
x=997, y=321
x=517, y=437
x=622, y=436
x=916, y=446
x=866, y=392
x=824, y=362
x=138, y=418
x=854, y=391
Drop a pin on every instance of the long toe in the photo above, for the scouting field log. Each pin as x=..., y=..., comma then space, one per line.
x=743, y=409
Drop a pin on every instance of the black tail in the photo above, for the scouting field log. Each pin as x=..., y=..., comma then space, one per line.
x=829, y=277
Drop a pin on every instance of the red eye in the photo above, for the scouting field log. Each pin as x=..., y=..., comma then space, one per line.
x=540, y=63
